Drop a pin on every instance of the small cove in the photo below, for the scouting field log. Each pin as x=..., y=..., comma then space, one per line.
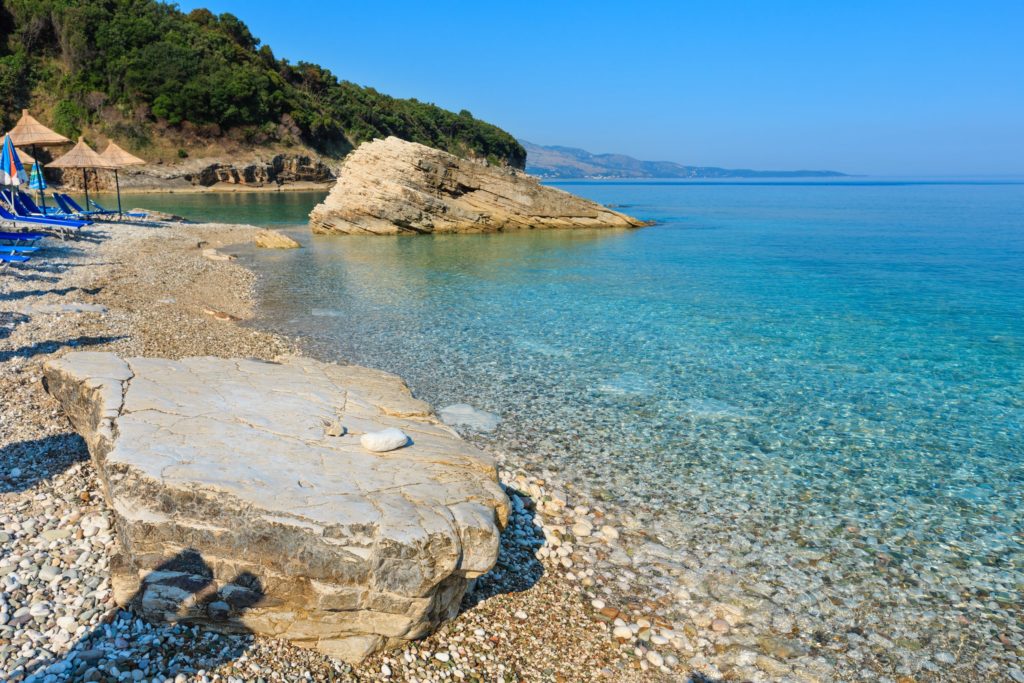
x=810, y=390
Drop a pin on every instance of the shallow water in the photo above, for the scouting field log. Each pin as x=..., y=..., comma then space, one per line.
x=814, y=387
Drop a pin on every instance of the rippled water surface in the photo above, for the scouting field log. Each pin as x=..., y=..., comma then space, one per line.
x=819, y=387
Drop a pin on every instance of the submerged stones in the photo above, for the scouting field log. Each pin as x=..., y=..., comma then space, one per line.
x=392, y=187
x=464, y=415
x=236, y=510
x=274, y=239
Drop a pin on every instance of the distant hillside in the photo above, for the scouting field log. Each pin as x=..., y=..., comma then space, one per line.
x=167, y=83
x=569, y=162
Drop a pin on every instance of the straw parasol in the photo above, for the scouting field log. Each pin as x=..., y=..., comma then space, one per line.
x=82, y=156
x=26, y=158
x=29, y=132
x=118, y=158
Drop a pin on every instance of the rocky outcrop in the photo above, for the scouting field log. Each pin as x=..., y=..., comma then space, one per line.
x=391, y=186
x=273, y=239
x=280, y=169
x=244, y=501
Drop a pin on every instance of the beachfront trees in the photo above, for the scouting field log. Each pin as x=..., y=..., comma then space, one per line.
x=207, y=71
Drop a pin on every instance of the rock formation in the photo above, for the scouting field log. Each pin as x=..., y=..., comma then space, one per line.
x=391, y=186
x=237, y=509
x=274, y=239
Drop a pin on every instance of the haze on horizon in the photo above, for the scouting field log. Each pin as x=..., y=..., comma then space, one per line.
x=918, y=89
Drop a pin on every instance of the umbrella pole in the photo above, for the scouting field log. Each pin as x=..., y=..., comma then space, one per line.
x=85, y=181
x=117, y=183
x=42, y=181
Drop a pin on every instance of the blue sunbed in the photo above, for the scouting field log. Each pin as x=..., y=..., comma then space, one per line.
x=13, y=258
x=126, y=213
x=32, y=209
x=76, y=208
x=18, y=249
x=7, y=216
x=22, y=236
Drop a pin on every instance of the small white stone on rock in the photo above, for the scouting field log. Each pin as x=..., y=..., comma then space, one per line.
x=384, y=440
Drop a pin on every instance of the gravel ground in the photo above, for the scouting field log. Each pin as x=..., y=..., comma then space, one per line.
x=566, y=601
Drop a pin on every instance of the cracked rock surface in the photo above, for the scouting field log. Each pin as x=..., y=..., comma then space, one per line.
x=237, y=509
x=391, y=187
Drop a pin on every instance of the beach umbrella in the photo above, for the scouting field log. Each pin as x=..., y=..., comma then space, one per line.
x=12, y=173
x=118, y=158
x=82, y=156
x=36, y=181
x=28, y=132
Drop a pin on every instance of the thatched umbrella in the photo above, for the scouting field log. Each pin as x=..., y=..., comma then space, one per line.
x=118, y=158
x=28, y=132
x=82, y=156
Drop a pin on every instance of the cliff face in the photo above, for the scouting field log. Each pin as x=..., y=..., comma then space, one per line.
x=390, y=187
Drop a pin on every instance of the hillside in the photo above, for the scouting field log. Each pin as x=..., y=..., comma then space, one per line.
x=169, y=85
x=569, y=162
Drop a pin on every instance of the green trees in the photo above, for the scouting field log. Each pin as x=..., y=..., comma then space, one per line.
x=207, y=70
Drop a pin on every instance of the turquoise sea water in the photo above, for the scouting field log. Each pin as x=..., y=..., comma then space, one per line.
x=818, y=386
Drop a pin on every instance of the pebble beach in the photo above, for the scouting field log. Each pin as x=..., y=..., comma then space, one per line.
x=547, y=612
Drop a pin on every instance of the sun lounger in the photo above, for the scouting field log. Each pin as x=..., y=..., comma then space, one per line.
x=33, y=209
x=12, y=258
x=17, y=249
x=135, y=214
x=77, y=208
x=22, y=236
x=8, y=217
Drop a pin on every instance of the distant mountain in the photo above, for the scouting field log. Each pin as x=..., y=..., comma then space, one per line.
x=568, y=162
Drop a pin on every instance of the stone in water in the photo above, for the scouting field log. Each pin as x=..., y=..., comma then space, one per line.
x=464, y=415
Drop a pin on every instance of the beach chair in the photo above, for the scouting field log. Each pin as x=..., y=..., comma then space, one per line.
x=64, y=225
x=7, y=259
x=33, y=209
x=77, y=208
x=22, y=236
x=130, y=214
x=17, y=249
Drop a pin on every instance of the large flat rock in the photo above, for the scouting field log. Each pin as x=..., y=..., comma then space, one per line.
x=391, y=187
x=236, y=507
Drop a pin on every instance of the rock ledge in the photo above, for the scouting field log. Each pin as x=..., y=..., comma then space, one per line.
x=390, y=187
x=237, y=509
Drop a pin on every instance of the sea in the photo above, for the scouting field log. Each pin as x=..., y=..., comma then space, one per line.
x=812, y=390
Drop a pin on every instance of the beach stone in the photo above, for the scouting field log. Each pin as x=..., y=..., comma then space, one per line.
x=464, y=415
x=204, y=459
x=384, y=440
x=274, y=239
x=392, y=186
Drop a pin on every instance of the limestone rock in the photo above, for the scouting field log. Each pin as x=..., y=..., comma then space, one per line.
x=273, y=239
x=235, y=509
x=389, y=187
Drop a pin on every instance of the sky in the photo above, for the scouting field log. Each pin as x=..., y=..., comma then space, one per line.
x=880, y=88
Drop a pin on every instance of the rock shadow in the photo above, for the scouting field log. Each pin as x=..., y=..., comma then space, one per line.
x=156, y=634
x=517, y=568
x=52, y=346
x=24, y=464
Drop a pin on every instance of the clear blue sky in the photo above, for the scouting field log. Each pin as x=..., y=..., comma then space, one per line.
x=884, y=88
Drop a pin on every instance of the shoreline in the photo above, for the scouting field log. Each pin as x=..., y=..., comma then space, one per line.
x=217, y=188
x=152, y=292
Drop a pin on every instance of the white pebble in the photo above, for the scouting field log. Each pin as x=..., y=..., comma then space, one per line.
x=384, y=440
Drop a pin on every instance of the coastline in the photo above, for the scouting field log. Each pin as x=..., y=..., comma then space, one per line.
x=150, y=291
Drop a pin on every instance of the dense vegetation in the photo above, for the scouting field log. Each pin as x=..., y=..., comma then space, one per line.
x=137, y=68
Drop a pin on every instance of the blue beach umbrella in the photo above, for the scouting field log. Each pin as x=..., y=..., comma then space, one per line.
x=12, y=173
x=36, y=181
